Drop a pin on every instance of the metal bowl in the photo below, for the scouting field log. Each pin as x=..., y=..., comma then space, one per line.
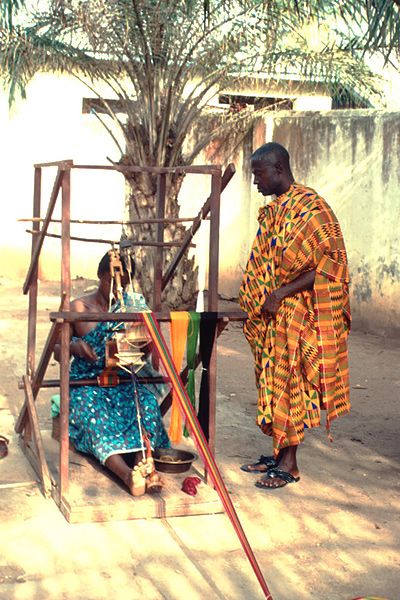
x=173, y=460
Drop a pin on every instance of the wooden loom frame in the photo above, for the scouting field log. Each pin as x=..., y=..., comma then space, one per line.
x=27, y=424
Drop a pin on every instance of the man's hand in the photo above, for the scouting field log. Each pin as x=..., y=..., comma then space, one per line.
x=82, y=349
x=272, y=303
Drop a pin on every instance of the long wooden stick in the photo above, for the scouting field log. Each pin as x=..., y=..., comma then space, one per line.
x=112, y=242
x=34, y=421
x=90, y=222
x=40, y=240
x=72, y=316
x=39, y=373
x=203, y=448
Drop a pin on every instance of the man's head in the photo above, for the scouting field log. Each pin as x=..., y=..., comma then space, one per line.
x=271, y=169
x=104, y=265
x=104, y=272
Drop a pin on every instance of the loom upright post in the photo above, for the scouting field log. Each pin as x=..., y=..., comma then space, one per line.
x=213, y=298
x=65, y=332
x=33, y=292
x=158, y=252
x=33, y=289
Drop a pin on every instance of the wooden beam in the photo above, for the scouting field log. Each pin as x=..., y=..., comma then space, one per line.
x=55, y=383
x=65, y=334
x=113, y=242
x=202, y=169
x=39, y=373
x=91, y=222
x=62, y=164
x=34, y=421
x=158, y=253
x=213, y=265
x=33, y=290
x=71, y=316
x=40, y=239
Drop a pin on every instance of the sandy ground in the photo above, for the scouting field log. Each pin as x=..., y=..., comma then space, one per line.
x=332, y=536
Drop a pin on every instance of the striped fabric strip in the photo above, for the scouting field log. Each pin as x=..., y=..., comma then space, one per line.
x=178, y=327
x=201, y=443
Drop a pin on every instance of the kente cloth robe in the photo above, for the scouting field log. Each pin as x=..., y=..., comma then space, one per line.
x=301, y=362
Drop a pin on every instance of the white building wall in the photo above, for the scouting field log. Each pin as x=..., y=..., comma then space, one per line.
x=50, y=126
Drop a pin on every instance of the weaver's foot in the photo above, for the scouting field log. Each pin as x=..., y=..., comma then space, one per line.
x=136, y=482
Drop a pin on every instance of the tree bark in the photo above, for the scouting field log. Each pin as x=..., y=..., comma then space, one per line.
x=181, y=292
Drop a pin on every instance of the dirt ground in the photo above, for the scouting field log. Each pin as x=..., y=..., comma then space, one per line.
x=332, y=536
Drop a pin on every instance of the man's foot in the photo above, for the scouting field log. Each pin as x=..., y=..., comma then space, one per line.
x=136, y=482
x=263, y=464
x=277, y=478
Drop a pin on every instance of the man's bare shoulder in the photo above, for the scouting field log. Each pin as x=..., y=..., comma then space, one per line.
x=83, y=303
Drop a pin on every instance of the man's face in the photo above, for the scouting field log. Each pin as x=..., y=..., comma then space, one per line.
x=266, y=176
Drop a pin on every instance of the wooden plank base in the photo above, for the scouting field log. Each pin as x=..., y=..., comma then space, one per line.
x=95, y=495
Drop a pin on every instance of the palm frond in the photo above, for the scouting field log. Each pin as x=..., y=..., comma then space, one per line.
x=165, y=61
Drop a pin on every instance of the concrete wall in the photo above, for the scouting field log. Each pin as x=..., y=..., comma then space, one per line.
x=50, y=126
x=352, y=159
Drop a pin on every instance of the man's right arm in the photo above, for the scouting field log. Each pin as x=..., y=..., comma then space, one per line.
x=303, y=282
x=78, y=347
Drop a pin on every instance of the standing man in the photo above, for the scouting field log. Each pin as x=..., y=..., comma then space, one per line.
x=295, y=293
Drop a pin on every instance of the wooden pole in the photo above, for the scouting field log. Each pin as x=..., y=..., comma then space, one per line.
x=40, y=240
x=71, y=316
x=40, y=372
x=33, y=290
x=158, y=253
x=113, y=242
x=213, y=299
x=227, y=176
x=158, y=256
x=91, y=222
x=65, y=334
x=33, y=418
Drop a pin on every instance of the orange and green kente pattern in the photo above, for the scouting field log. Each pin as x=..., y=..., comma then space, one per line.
x=301, y=362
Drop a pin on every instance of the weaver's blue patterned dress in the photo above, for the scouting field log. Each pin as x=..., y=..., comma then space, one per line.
x=103, y=420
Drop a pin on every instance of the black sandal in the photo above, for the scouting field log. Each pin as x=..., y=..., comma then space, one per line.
x=268, y=461
x=276, y=474
x=3, y=446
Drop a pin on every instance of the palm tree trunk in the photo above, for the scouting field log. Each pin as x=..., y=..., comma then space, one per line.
x=181, y=291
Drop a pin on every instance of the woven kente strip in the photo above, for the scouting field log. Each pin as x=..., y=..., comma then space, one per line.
x=201, y=442
x=301, y=363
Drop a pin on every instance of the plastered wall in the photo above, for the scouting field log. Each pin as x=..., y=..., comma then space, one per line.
x=352, y=159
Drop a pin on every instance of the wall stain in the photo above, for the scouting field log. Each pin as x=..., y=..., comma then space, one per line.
x=390, y=138
x=306, y=139
x=361, y=128
x=384, y=271
x=362, y=290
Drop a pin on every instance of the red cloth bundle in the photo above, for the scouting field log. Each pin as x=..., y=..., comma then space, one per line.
x=189, y=485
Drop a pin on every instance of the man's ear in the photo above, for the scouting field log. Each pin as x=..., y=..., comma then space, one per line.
x=278, y=167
